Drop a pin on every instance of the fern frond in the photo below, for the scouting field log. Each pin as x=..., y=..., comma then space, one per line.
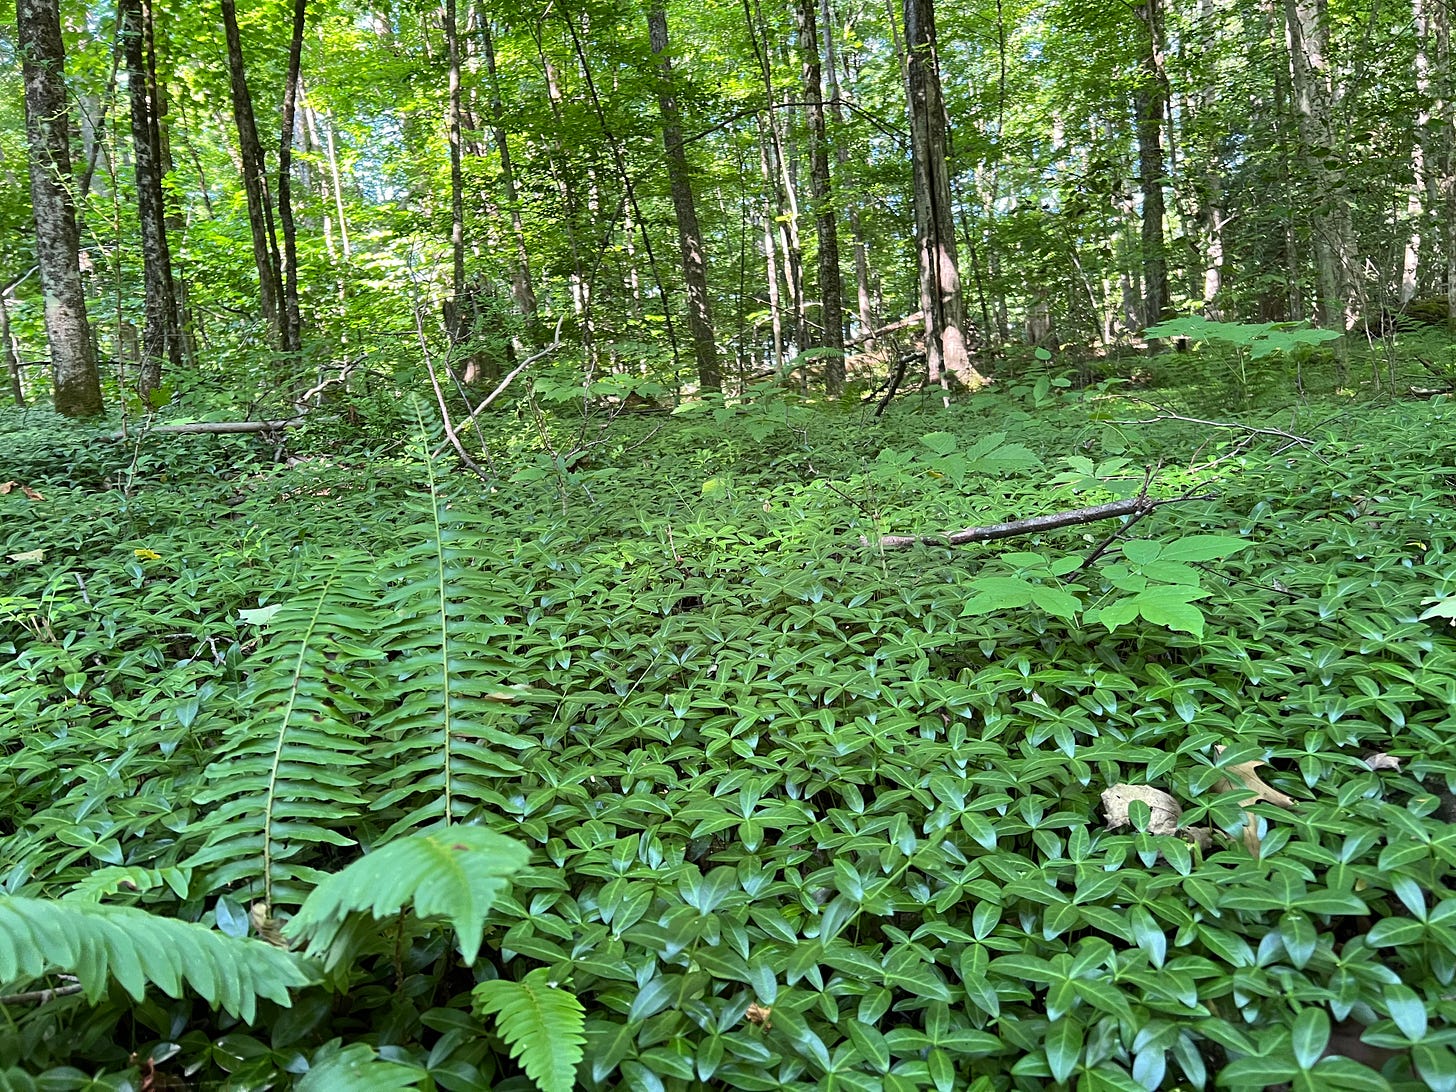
x=357, y=1068
x=455, y=872
x=286, y=780
x=543, y=1025
x=98, y=943
x=447, y=731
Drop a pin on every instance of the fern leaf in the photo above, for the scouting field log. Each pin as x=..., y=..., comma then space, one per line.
x=100, y=943
x=287, y=780
x=448, y=731
x=543, y=1025
x=357, y=1068
x=455, y=873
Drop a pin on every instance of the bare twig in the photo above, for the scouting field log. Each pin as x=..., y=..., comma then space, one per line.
x=1138, y=507
x=450, y=433
x=219, y=428
x=506, y=382
x=1164, y=414
x=38, y=997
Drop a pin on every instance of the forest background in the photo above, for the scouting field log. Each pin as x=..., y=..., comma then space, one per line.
x=480, y=603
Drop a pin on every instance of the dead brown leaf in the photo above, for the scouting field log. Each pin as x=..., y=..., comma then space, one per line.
x=1165, y=809
x=1382, y=761
x=1257, y=789
x=761, y=1015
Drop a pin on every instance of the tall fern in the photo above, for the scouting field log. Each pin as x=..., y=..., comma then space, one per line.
x=286, y=781
x=446, y=731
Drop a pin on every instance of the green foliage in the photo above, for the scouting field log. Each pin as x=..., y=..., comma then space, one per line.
x=540, y=1023
x=456, y=873
x=99, y=944
x=773, y=807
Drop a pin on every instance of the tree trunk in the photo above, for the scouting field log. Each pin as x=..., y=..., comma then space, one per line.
x=1306, y=24
x=935, y=244
x=831, y=290
x=523, y=290
x=865, y=310
x=785, y=211
x=292, y=325
x=1444, y=118
x=456, y=312
x=8, y=351
x=689, y=235
x=255, y=180
x=162, y=334
x=57, y=239
x=1149, y=101
x=770, y=251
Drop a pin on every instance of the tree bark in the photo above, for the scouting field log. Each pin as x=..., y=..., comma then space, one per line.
x=523, y=290
x=457, y=311
x=161, y=330
x=8, y=351
x=935, y=243
x=831, y=289
x=1306, y=24
x=57, y=238
x=865, y=310
x=255, y=181
x=689, y=234
x=1149, y=101
x=292, y=324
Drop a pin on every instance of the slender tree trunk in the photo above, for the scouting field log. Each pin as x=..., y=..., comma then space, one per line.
x=770, y=252
x=689, y=235
x=940, y=279
x=292, y=323
x=1306, y=24
x=456, y=310
x=1421, y=180
x=255, y=181
x=864, y=305
x=523, y=290
x=831, y=290
x=1149, y=100
x=162, y=335
x=786, y=211
x=57, y=238
x=8, y=351
x=1443, y=77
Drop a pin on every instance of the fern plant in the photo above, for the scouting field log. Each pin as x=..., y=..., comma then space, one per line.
x=99, y=943
x=542, y=1024
x=287, y=779
x=446, y=730
x=455, y=872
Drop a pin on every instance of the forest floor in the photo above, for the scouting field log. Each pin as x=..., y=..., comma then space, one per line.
x=1133, y=803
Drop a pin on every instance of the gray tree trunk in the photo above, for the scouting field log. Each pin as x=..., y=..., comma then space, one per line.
x=689, y=234
x=292, y=324
x=1306, y=24
x=935, y=243
x=831, y=289
x=523, y=289
x=1149, y=101
x=57, y=239
x=255, y=181
x=161, y=331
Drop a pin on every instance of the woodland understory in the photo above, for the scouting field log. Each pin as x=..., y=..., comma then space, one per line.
x=757, y=544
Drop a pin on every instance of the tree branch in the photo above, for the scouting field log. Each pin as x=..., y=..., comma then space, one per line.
x=1137, y=507
x=215, y=428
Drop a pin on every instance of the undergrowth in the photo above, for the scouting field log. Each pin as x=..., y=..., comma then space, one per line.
x=797, y=811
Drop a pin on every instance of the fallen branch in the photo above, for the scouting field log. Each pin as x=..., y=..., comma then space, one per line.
x=1138, y=506
x=215, y=428
x=39, y=997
